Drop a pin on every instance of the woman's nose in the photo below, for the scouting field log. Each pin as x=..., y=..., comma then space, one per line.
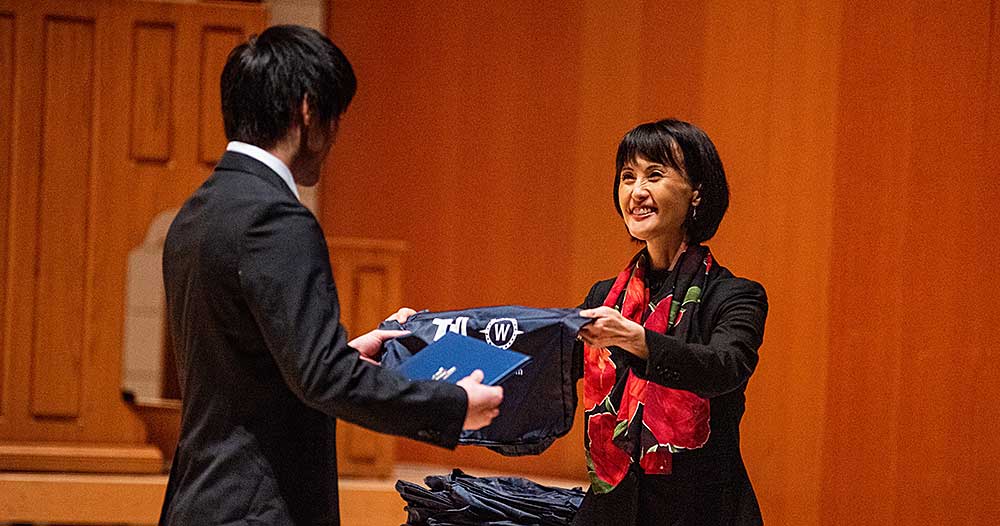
x=639, y=190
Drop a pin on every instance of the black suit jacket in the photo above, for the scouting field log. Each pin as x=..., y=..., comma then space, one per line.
x=263, y=360
x=708, y=486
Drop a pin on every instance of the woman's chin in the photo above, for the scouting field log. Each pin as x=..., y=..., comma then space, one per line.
x=640, y=234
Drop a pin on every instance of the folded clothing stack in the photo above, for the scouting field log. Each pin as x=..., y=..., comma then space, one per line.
x=459, y=499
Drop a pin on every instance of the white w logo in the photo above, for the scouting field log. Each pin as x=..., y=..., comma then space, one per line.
x=501, y=332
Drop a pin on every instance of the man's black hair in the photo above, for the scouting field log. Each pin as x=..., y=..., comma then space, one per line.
x=266, y=79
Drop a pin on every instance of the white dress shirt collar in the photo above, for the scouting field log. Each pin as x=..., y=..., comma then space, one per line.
x=267, y=158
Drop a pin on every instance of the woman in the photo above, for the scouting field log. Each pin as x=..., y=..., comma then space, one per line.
x=672, y=346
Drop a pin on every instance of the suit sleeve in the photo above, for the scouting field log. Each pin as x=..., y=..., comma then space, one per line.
x=287, y=283
x=727, y=360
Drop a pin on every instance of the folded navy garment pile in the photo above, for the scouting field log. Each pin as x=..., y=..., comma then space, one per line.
x=459, y=499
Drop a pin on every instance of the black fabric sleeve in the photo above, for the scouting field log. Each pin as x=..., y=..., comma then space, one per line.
x=287, y=283
x=595, y=298
x=736, y=310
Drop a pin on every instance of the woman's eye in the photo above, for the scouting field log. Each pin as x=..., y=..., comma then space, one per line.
x=655, y=176
x=628, y=177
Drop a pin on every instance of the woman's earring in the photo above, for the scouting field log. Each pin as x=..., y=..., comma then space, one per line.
x=694, y=213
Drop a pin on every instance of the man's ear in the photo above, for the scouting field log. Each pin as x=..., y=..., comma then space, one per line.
x=304, y=112
x=312, y=136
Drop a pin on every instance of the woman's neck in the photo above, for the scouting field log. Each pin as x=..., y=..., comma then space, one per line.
x=663, y=253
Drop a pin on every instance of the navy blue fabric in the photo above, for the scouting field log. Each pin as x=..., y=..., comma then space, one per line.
x=540, y=399
x=461, y=499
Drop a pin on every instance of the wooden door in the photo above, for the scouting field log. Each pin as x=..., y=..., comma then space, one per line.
x=109, y=114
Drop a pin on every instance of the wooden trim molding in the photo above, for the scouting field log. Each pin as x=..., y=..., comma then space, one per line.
x=50, y=498
x=80, y=457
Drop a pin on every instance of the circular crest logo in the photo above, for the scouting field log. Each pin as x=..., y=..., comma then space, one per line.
x=501, y=332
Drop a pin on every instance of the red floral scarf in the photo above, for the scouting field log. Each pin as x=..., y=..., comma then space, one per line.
x=629, y=419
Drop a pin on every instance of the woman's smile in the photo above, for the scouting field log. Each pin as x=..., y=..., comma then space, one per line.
x=642, y=212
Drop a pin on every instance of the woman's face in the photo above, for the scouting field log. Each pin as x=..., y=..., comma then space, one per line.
x=654, y=199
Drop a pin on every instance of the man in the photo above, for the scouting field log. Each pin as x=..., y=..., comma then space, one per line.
x=264, y=363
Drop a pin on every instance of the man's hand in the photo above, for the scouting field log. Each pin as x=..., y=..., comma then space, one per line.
x=402, y=315
x=610, y=328
x=484, y=401
x=369, y=345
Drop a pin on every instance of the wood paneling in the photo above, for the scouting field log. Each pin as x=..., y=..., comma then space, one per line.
x=98, y=500
x=216, y=43
x=549, y=230
x=369, y=282
x=64, y=200
x=79, y=458
x=103, y=128
x=916, y=238
x=861, y=449
x=985, y=368
x=861, y=143
x=6, y=173
x=768, y=99
x=370, y=288
x=154, y=52
x=148, y=188
x=465, y=127
x=37, y=498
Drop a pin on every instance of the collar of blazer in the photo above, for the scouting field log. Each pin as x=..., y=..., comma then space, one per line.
x=238, y=162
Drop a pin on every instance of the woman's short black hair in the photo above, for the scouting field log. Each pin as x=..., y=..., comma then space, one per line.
x=687, y=149
x=266, y=78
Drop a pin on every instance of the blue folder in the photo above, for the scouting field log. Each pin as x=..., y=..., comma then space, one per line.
x=454, y=357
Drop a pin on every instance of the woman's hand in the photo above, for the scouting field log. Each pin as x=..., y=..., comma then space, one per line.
x=610, y=328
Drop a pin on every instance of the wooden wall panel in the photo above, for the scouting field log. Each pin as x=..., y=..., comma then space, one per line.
x=875, y=101
x=103, y=126
x=984, y=369
x=25, y=150
x=768, y=100
x=935, y=440
x=465, y=126
x=369, y=283
x=64, y=199
x=148, y=186
x=611, y=69
x=151, y=132
x=765, y=93
x=6, y=173
x=216, y=43
x=910, y=394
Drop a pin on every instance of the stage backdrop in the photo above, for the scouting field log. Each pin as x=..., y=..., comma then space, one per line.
x=861, y=144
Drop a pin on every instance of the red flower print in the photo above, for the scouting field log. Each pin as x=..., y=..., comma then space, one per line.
x=610, y=462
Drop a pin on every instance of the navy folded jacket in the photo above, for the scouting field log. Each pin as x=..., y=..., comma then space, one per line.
x=540, y=402
x=462, y=500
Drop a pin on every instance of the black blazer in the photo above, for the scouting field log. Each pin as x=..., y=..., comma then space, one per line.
x=263, y=361
x=709, y=485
